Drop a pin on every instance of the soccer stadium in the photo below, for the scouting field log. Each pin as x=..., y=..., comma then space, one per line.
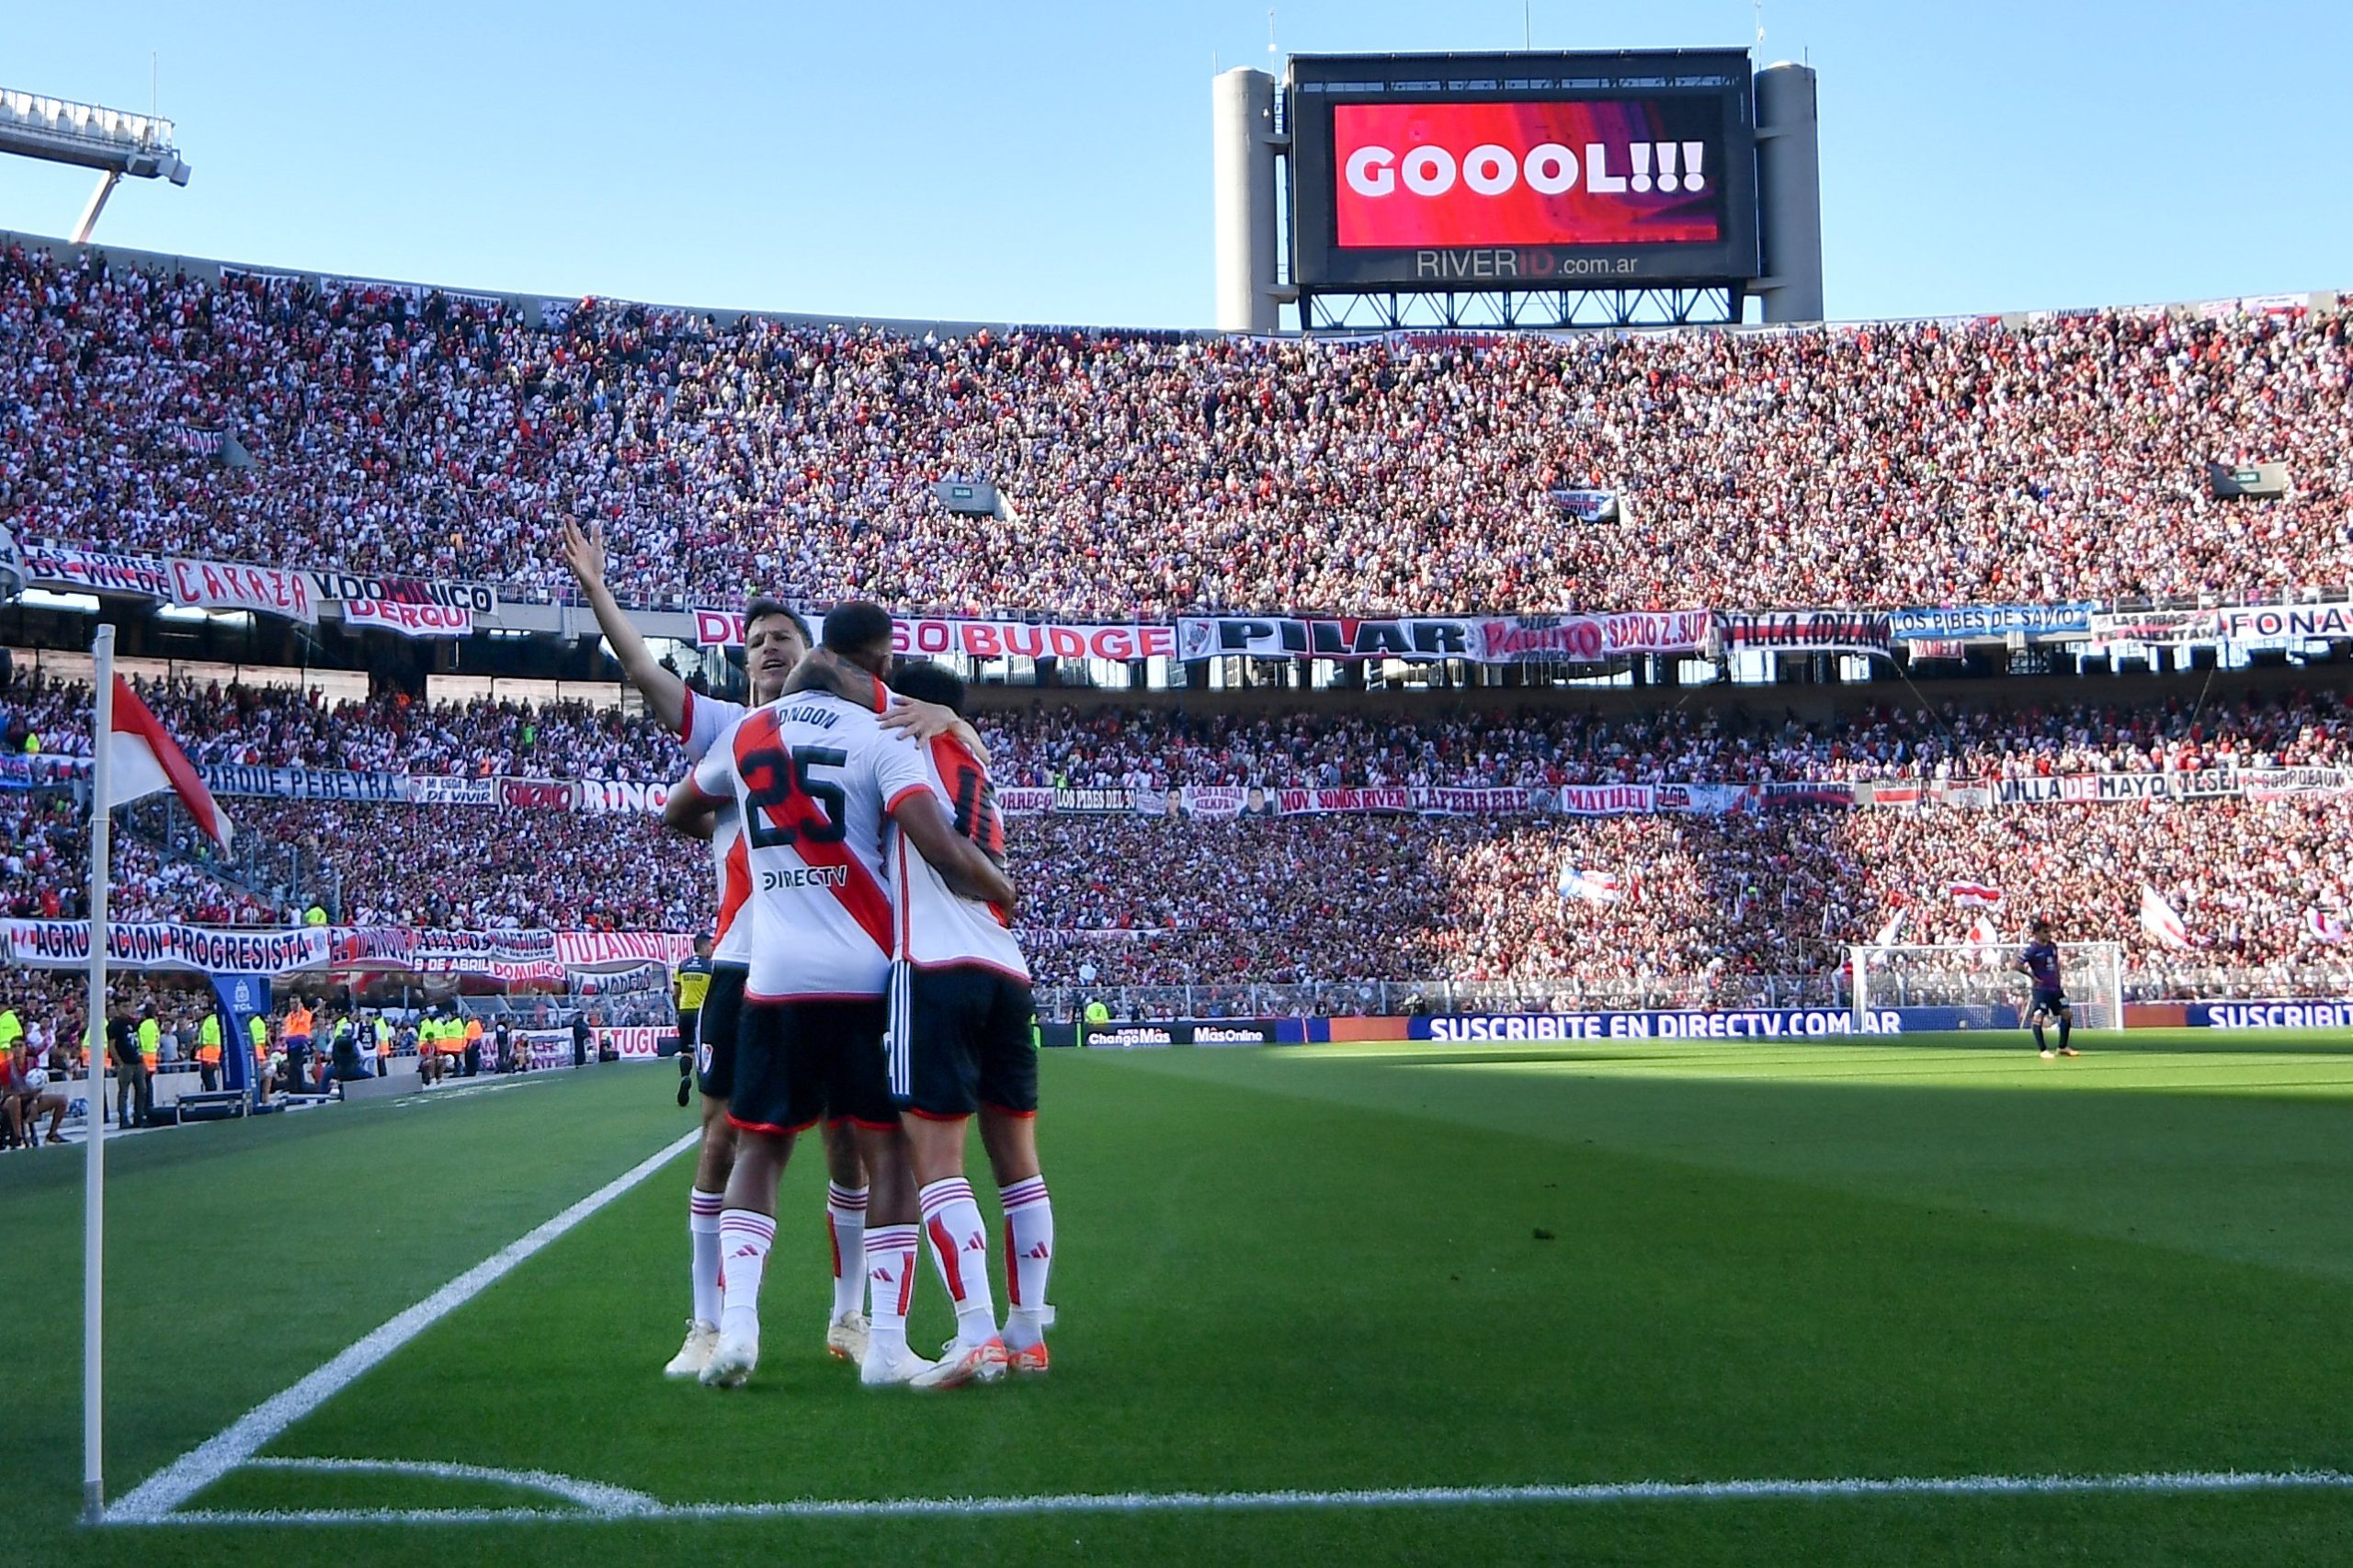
x=1520, y=898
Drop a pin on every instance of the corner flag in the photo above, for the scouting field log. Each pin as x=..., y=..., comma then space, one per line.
x=147, y=761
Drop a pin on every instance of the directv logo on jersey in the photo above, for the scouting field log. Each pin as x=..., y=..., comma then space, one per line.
x=772, y=881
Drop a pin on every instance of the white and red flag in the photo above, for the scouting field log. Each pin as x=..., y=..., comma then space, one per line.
x=2325, y=925
x=1975, y=896
x=145, y=760
x=2161, y=921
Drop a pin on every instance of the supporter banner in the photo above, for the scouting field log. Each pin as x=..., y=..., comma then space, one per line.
x=474, y=598
x=1219, y=803
x=1025, y=800
x=539, y=794
x=630, y=1042
x=2272, y=783
x=612, y=796
x=1807, y=632
x=474, y=952
x=65, y=944
x=408, y=620
x=19, y=773
x=638, y=979
x=588, y=949
x=1470, y=802
x=1985, y=623
x=96, y=572
x=1091, y=801
x=1589, y=639
x=2254, y=625
x=1608, y=800
x=1015, y=639
x=1806, y=792
x=387, y=947
x=1754, y=1024
x=1591, y=506
x=1703, y=800
x=264, y=590
x=13, y=575
x=2332, y=1013
x=1495, y=640
x=428, y=789
x=1313, y=803
x=931, y=636
x=302, y=783
x=545, y=1048
x=2151, y=626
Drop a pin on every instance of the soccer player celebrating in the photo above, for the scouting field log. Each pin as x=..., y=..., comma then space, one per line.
x=960, y=1044
x=2040, y=963
x=774, y=641
x=817, y=783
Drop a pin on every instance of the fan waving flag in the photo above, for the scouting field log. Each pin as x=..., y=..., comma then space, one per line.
x=2325, y=925
x=1594, y=887
x=145, y=761
x=1976, y=895
x=2161, y=921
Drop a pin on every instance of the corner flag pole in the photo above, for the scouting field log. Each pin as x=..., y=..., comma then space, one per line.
x=94, y=1208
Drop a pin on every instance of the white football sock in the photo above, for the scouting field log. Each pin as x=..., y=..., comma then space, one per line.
x=1028, y=1257
x=744, y=1238
x=846, y=1229
x=891, y=1280
x=959, y=1248
x=702, y=1230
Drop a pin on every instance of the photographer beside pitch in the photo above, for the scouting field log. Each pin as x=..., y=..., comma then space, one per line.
x=2039, y=962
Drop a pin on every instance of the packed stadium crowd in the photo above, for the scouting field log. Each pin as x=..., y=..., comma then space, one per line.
x=418, y=433
x=1155, y=902
x=1164, y=748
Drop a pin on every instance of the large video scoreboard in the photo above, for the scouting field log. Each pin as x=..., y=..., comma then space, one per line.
x=1521, y=171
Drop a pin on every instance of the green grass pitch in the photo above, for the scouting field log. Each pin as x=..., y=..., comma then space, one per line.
x=1319, y=1269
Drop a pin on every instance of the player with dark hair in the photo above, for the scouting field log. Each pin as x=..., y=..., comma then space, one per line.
x=818, y=784
x=2040, y=963
x=960, y=1044
x=775, y=638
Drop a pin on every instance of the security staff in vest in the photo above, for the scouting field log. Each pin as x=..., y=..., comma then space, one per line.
x=299, y=1023
x=1097, y=1015
x=151, y=1051
x=208, y=1051
x=258, y=1035
x=122, y=1047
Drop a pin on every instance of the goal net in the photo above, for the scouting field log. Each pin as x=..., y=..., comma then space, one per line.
x=1981, y=985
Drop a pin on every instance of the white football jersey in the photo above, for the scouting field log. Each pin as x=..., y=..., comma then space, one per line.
x=814, y=780
x=706, y=719
x=938, y=926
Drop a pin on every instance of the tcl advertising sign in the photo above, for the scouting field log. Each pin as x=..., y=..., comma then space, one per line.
x=1542, y=174
x=1469, y=171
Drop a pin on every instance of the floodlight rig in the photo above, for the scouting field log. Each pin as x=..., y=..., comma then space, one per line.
x=114, y=142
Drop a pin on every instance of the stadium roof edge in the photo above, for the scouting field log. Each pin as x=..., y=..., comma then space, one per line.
x=531, y=302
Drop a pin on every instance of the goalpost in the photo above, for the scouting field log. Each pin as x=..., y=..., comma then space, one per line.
x=1981, y=985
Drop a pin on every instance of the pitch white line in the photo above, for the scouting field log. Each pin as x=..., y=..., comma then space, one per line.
x=2149, y=1482
x=216, y=1456
x=599, y=1496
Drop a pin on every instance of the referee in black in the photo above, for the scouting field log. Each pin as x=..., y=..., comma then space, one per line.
x=690, y=985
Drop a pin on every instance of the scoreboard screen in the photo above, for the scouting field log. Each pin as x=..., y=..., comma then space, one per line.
x=1521, y=171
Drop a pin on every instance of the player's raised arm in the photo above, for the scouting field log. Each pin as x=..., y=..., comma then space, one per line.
x=665, y=693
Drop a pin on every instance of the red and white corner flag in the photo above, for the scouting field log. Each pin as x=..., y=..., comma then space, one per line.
x=146, y=760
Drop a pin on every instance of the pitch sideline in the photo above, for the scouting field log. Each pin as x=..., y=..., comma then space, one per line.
x=163, y=1493
x=601, y=1504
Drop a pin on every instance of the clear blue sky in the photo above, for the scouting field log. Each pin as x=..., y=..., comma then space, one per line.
x=1049, y=161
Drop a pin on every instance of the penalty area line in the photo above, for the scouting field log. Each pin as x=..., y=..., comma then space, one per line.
x=155, y=1498
x=618, y=1504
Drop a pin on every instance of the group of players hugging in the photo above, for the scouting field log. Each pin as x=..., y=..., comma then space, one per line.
x=865, y=982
